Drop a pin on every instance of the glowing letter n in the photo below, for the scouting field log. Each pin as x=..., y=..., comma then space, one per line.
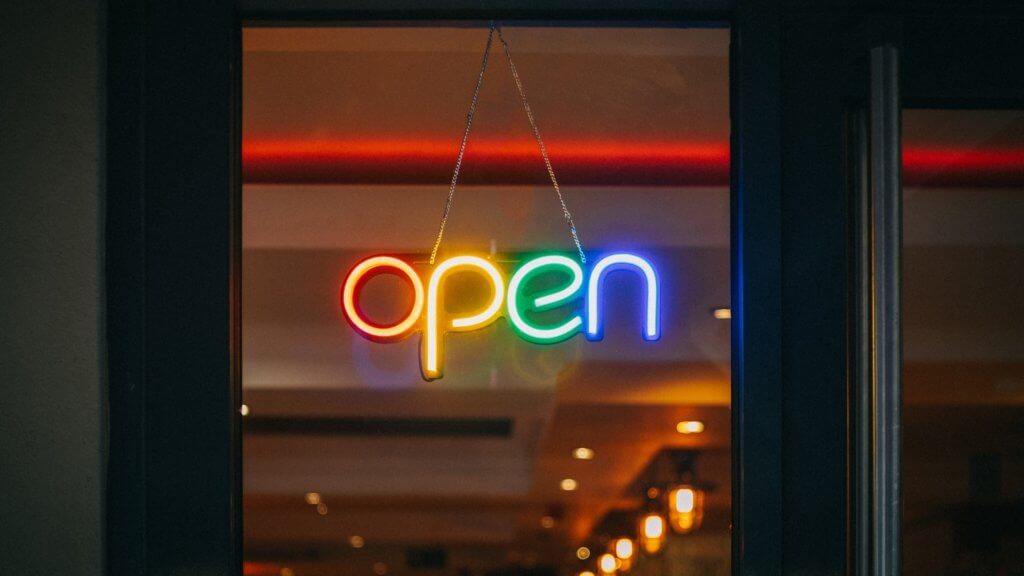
x=612, y=262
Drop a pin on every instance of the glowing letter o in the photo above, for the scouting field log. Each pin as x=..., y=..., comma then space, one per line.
x=378, y=265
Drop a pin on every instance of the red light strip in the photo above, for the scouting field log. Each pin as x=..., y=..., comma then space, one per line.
x=963, y=167
x=424, y=161
x=580, y=162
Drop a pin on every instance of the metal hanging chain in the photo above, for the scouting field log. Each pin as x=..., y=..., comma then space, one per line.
x=543, y=149
x=536, y=134
x=462, y=147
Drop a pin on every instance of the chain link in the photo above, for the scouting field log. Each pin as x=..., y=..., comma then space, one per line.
x=536, y=134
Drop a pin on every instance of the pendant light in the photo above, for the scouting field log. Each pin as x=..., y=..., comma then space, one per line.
x=685, y=499
x=651, y=527
x=607, y=564
x=685, y=508
x=625, y=551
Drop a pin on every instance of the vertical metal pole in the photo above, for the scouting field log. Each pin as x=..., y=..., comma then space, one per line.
x=887, y=394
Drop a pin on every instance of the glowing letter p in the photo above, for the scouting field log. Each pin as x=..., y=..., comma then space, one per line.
x=433, y=338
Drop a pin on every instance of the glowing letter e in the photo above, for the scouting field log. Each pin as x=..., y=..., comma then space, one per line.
x=516, y=301
x=433, y=338
x=595, y=327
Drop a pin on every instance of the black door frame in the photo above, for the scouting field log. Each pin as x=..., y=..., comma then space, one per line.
x=172, y=274
x=947, y=58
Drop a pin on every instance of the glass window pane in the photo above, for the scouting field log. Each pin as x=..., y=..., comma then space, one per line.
x=524, y=457
x=964, y=342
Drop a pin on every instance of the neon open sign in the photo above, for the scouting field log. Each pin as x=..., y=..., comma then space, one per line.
x=512, y=300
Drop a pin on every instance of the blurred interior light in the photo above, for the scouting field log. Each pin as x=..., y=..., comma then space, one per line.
x=583, y=552
x=312, y=498
x=244, y=410
x=321, y=509
x=624, y=550
x=685, y=508
x=582, y=453
x=607, y=564
x=547, y=522
x=356, y=541
x=569, y=484
x=651, y=533
x=721, y=313
x=690, y=427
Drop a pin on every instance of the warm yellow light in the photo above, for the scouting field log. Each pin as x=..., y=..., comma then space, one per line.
x=568, y=484
x=624, y=548
x=582, y=453
x=356, y=541
x=547, y=522
x=722, y=313
x=654, y=526
x=685, y=508
x=244, y=410
x=583, y=552
x=312, y=498
x=651, y=533
x=586, y=573
x=690, y=427
x=321, y=509
x=683, y=501
x=607, y=564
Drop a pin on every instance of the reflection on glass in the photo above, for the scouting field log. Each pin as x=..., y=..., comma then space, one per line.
x=963, y=323
x=544, y=423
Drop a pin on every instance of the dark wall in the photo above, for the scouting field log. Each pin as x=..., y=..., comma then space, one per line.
x=51, y=353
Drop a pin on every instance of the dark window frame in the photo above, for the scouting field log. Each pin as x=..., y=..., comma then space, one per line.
x=174, y=497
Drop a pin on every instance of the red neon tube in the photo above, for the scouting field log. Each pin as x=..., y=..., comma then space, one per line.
x=582, y=162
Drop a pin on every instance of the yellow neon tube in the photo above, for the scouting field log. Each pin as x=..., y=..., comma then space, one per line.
x=433, y=339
